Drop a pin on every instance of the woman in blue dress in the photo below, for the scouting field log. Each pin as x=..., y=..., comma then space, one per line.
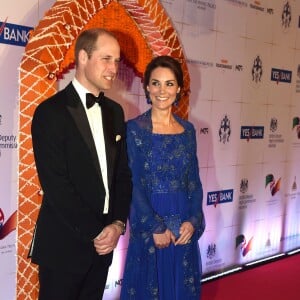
x=166, y=218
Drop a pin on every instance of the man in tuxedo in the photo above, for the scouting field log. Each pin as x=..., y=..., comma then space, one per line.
x=79, y=145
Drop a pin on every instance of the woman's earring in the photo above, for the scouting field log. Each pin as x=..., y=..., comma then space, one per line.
x=175, y=103
x=148, y=97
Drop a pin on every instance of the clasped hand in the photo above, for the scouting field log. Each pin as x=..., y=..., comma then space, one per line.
x=107, y=240
x=163, y=240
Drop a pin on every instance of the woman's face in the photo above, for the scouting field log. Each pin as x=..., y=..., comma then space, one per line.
x=162, y=88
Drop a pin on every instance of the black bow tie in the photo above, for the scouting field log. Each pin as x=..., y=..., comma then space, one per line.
x=91, y=99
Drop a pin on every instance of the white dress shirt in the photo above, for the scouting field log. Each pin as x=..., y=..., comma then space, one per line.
x=94, y=116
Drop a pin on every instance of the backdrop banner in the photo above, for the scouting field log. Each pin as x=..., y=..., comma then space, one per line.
x=242, y=66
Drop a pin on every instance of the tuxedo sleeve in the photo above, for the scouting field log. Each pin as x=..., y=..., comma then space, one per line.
x=123, y=182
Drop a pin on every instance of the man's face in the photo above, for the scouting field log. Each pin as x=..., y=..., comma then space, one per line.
x=99, y=71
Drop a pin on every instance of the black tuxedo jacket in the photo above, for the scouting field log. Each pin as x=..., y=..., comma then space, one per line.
x=71, y=213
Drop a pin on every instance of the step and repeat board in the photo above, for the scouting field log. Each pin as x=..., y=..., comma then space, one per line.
x=243, y=65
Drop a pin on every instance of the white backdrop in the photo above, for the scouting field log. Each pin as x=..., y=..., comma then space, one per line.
x=244, y=63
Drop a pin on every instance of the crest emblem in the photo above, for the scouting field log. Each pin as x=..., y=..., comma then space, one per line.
x=257, y=69
x=211, y=251
x=244, y=185
x=286, y=16
x=225, y=130
x=273, y=124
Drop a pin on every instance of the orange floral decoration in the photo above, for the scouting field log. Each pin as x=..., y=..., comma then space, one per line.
x=143, y=29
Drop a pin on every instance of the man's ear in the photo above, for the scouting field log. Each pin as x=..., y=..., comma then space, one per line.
x=82, y=56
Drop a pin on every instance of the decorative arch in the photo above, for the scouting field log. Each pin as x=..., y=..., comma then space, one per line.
x=143, y=29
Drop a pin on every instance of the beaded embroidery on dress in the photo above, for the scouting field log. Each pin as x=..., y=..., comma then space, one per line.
x=166, y=192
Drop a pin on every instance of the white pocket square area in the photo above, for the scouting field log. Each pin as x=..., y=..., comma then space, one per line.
x=118, y=137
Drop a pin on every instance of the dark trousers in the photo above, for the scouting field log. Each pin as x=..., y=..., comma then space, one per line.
x=59, y=285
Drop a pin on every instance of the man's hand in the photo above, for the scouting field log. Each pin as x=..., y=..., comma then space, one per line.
x=108, y=239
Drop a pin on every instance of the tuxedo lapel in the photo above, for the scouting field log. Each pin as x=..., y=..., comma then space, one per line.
x=77, y=111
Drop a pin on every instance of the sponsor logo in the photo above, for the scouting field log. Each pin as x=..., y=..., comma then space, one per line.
x=204, y=130
x=279, y=75
x=252, y=132
x=243, y=245
x=13, y=34
x=219, y=197
x=294, y=194
x=290, y=237
x=1, y=218
x=113, y=285
x=238, y=3
x=225, y=130
x=239, y=67
x=2, y=26
x=118, y=282
x=273, y=184
x=257, y=6
x=296, y=126
x=298, y=80
x=202, y=63
x=223, y=64
x=274, y=138
x=268, y=241
x=294, y=185
x=203, y=4
x=8, y=226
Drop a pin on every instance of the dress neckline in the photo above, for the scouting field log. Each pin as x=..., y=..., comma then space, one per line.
x=168, y=134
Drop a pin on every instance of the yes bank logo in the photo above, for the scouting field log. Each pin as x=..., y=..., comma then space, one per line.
x=13, y=34
x=252, y=132
x=219, y=197
x=279, y=75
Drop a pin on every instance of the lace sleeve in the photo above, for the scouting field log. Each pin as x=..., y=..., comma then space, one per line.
x=195, y=191
x=143, y=219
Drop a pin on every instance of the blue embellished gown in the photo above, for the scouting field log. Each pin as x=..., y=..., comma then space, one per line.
x=166, y=192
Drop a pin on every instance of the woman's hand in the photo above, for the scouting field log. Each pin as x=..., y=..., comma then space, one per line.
x=163, y=240
x=186, y=232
